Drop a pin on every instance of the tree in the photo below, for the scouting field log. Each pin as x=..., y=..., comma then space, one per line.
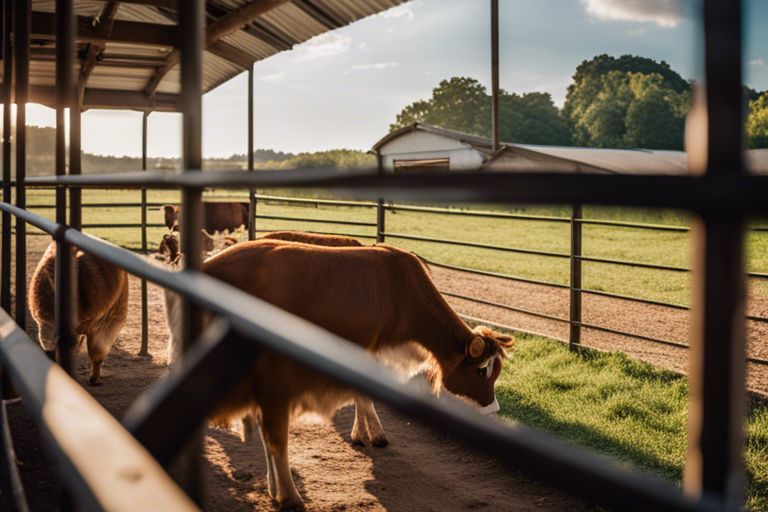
x=463, y=104
x=627, y=102
x=757, y=122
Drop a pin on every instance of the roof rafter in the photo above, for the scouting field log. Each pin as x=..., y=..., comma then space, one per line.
x=92, y=52
x=319, y=14
x=130, y=32
x=169, y=4
x=214, y=32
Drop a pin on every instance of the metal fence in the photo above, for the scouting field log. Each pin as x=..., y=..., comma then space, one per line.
x=169, y=416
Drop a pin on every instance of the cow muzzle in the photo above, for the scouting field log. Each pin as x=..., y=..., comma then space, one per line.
x=491, y=408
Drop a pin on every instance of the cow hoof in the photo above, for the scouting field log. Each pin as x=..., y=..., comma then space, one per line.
x=357, y=442
x=95, y=381
x=380, y=442
x=292, y=506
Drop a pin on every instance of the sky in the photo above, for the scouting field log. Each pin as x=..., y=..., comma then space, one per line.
x=342, y=89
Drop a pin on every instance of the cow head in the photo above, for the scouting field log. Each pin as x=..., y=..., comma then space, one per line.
x=171, y=215
x=170, y=245
x=475, y=377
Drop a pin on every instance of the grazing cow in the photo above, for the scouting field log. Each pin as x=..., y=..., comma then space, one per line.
x=217, y=216
x=102, y=304
x=380, y=298
x=170, y=245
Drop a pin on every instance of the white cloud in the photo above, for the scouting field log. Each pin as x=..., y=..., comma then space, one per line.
x=756, y=62
x=665, y=13
x=399, y=12
x=326, y=45
x=274, y=78
x=375, y=65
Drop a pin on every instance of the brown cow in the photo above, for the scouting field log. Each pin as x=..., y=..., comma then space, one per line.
x=101, y=309
x=170, y=245
x=380, y=298
x=217, y=216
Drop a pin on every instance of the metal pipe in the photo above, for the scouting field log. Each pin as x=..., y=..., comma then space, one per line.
x=574, y=316
x=495, y=74
x=251, y=191
x=144, y=349
x=191, y=43
x=22, y=29
x=5, y=264
x=65, y=305
x=717, y=398
x=75, y=162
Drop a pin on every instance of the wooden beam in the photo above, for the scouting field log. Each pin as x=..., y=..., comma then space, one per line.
x=109, y=99
x=131, y=32
x=92, y=51
x=214, y=32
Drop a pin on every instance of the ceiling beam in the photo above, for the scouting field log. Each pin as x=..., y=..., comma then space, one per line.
x=131, y=32
x=168, y=4
x=214, y=32
x=92, y=52
x=110, y=99
x=232, y=54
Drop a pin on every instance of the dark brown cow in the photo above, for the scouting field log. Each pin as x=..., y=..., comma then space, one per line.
x=101, y=309
x=380, y=298
x=217, y=216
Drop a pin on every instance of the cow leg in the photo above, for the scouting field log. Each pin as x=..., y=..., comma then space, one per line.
x=271, y=487
x=45, y=334
x=274, y=430
x=248, y=427
x=367, y=427
x=99, y=343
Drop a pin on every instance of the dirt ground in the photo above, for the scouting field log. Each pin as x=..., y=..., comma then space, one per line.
x=420, y=470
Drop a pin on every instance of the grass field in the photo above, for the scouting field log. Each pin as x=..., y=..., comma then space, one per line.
x=663, y=248
x=622, y=408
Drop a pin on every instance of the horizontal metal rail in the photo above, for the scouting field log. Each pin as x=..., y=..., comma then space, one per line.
x=318, y=221
x=545, y=456
x=714, y=193
x=353, y=235
x=638, y=225
x=475, y=245
x=325, y=202
x=638, y=264
x=494, y=274
x=470, y=213
x=505, y=306
x=98, y=205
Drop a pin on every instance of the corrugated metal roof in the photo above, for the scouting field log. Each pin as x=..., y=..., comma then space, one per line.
x=128, y=61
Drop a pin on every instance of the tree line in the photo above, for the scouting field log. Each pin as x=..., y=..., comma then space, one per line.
x=612, y=102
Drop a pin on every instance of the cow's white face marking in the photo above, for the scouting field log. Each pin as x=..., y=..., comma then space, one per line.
x=491, y=408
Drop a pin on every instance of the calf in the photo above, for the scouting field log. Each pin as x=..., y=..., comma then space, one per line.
x=217, y=216
x=380, y=298
x=102, y=304
x=170, y=245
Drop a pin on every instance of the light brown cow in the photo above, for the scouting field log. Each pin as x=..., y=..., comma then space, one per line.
x=380, y=298
x=217, y=216
x=102, y=305
x=312, y=238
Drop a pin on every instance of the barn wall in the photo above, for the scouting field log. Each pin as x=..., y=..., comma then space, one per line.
x=421, y=145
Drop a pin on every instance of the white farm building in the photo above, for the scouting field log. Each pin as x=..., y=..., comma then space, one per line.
x=425, y=148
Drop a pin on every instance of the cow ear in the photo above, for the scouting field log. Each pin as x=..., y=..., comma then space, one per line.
x=476, y=347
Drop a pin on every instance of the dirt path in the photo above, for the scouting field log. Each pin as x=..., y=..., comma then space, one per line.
x=419, y=471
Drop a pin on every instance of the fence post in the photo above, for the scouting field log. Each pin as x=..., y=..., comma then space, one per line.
x=144, y=349
x=380, y=208
x=251, y=192
x=21, y=29
x=574, y=338
x=5, y=286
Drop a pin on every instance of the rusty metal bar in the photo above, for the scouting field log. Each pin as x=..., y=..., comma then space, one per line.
x=192, y=34
x=5, y=264
x=21, y=27
x=144, y=349
x=495, y=74
x=574, y=316
x=65, y=272
x=717, y=397
x=251, y=191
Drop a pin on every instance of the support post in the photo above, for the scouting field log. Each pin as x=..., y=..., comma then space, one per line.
x=495, y=74
x=65, y=271
x=574, y=339
x=191, y=43
x=381, y=210
x=251, y=191
x=75, y=161
x=22, y=29
x=144, y=349
x=717, y=397
x=5, y=281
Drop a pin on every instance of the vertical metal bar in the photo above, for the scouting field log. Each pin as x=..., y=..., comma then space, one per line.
x=144, y=349
x=251, y=191
x=191, y=43
x=75, y=162
x=495, y=73
x=5, y=282
x=22, y=28
x=574, y=338
x=716, y=412
x=381, y=212
x=65, y=273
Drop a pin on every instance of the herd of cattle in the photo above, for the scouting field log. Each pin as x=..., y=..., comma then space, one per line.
x=379, y=297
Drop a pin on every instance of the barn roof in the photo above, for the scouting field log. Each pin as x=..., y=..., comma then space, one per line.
x=612, y=161
x=126, y=48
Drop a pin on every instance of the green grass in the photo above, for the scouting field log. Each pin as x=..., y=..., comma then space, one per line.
x=656, y=247
x=627, y=410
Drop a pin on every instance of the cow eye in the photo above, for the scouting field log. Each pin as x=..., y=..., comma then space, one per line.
x=483, y=371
